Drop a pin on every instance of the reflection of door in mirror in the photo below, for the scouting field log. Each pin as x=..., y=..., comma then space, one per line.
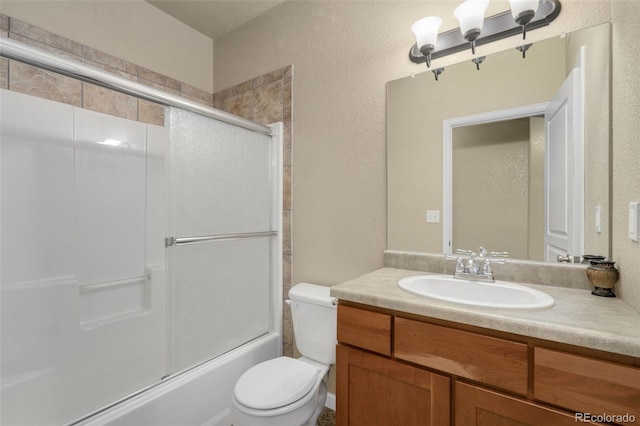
x=564, y=169
x=521, y=175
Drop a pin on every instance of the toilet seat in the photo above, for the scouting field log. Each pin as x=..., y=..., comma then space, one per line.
x=276, y=383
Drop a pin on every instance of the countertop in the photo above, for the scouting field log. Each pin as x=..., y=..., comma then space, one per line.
x=577, y=317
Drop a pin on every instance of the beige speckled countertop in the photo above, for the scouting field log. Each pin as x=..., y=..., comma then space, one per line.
x=577, y=318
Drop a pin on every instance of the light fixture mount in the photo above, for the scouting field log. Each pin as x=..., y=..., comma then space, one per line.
x=525, y=17
x=496, y=27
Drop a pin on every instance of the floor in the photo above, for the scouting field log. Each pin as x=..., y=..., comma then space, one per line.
x=327, y=418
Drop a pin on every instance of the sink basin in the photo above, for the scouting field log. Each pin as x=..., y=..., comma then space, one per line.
x=499, y=294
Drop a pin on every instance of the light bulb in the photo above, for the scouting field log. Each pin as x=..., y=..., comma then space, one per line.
x=426, y=31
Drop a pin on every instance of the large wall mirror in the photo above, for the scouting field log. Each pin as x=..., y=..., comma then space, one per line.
x=478, y=150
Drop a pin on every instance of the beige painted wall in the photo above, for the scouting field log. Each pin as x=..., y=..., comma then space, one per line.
x=132, y=30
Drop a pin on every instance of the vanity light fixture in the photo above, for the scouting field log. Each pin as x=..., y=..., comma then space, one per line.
x=525, y=15
x=470, y=14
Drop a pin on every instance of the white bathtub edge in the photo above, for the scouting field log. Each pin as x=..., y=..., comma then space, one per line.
x=200, y=396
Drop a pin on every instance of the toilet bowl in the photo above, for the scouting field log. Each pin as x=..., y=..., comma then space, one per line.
x=277, y=393
x=287, y=391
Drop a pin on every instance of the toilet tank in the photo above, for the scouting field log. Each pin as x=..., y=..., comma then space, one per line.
x=314, y=317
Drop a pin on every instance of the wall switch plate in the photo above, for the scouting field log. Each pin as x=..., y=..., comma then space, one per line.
x=598, y=211
x=633, y=220
x=433, y=216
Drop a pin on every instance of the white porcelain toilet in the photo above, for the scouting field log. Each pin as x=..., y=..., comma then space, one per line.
x=287, y=391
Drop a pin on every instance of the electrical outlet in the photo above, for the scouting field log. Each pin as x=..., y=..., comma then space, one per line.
x=433, y=216
x=633, y=220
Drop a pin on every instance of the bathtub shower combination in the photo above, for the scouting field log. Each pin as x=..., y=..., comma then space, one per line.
x=140, y=265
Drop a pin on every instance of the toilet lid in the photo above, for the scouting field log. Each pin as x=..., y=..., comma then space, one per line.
x=275, y=383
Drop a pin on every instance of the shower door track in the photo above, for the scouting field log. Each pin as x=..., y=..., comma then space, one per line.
x=22, y=52
x=172, y=241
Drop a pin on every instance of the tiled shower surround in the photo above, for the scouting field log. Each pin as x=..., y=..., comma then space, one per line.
x=265, y=99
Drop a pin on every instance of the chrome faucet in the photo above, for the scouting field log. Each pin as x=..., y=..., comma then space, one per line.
x=478, y=265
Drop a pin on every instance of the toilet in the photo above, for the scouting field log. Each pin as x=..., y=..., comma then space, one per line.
x=287, y=391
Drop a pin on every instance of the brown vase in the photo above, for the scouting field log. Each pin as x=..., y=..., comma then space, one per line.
x=603, y=275
x=587, y=258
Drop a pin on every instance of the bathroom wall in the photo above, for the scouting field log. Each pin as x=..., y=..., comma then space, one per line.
x=131, y=30
x=344, y=53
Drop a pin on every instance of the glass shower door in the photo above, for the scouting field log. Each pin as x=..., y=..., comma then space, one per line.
x=222, y=252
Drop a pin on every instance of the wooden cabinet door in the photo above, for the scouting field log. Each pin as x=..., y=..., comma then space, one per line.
x=377, y=391
x=475, y=406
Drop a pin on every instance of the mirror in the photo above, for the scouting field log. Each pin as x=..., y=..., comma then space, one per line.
x=418, y=109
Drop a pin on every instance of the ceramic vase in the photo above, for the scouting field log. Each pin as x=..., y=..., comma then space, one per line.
x=603, y=275
x=587, y=258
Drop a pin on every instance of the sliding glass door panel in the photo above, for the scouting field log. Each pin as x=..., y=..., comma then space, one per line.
x=222, y=186
x=221, y=177
x=221, y=298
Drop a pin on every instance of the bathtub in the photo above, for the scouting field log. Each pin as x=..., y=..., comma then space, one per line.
x=198, y=397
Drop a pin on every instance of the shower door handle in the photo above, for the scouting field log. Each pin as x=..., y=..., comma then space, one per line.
x=173, y=241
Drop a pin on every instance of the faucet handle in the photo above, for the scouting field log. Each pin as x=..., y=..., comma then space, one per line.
x=486, y=268
x=462, y=251
x=459, y=261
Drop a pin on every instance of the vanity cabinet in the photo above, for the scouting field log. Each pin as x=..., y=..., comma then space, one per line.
x=401, y=369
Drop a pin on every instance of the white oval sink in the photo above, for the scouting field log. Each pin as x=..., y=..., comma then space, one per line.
x=499, y=294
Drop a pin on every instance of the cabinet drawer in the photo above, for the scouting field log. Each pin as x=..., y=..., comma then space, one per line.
x=585, y=384
x=364, y=329
x=490, y=360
